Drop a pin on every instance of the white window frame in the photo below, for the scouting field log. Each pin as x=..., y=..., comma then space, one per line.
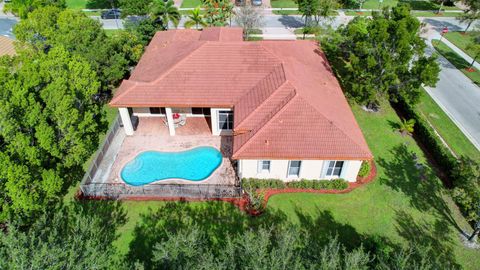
x=261, y=164
x=331, y=175
x=227, y=113
x=289, y=167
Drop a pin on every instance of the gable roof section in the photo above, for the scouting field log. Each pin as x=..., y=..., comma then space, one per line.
x=287, y=102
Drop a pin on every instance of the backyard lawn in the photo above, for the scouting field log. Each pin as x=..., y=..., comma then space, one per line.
x=457, y=61
x=446, y=128
x=462, y=40
x=398, y=207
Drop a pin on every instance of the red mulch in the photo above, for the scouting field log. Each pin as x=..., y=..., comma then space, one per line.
x=470, y=69
x=242, y=203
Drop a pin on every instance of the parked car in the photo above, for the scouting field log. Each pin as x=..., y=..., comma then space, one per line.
x=240, y=2
x=111, y=14
x=256, y=3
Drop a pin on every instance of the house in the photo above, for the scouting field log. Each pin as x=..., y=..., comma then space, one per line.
x=278, y=100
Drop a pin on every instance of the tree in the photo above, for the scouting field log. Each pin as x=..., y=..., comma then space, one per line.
x=382, y=58
x=67, y=237
x=50, y=27
x=407, y=126
x=325, y=9
x=144, y=29
x=249, y=18
x=217, y=12
x=135, y=7
x=50, y=121
x=165, y=12
x=476, y=226
x=466, y=177
x=308, y=8
x=475, y=49
x=195, y=17
x=22, y=8
x=471, y=13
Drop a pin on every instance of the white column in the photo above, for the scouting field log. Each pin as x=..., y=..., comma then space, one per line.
x=127, y=122
x=171, y=125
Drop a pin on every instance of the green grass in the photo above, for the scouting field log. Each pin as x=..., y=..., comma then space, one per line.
x=283, y=4
x=286, y=12
x=414, y=13
x=76, y=4
x=452, y=135
x=462, y=40
x=398, y=205
x=191, y=3
x=111, y=32
x=456, y=60
x=415, y=4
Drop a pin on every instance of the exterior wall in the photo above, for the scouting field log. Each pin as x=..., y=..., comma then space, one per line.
x=126, y=121
x=310, y=169
x=215, y=130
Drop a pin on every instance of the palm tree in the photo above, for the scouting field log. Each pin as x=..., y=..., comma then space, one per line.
x=165, y=12
x=195, y=18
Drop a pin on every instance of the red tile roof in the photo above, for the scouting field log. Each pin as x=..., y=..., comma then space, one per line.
x=287, y=102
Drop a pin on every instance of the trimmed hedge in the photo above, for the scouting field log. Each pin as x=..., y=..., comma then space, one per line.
x=364, y=169
x=254, y=183
x=442, y=156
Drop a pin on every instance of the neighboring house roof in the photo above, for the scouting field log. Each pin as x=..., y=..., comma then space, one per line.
x=6, y=46
x=287, y=102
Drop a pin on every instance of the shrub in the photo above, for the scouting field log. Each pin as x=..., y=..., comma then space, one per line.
x=364, y=169
x=250, y=184
x=319, y=184
x=256, y=201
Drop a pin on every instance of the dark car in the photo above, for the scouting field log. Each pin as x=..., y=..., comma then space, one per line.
x=111, y=14
x=240, y=3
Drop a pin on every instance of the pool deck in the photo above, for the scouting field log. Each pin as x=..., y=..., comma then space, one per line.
x=152, y=134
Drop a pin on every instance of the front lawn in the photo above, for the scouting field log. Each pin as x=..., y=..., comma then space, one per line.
x=283, y=4
x=76, y=4
x=454, y=137
x=458, y=61
x=462, y=40
x=415, y=4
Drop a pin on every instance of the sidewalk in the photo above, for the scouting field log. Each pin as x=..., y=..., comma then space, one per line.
x=461, y=53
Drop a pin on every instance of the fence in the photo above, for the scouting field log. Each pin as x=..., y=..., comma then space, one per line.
x=197, y=191
x=92, y=169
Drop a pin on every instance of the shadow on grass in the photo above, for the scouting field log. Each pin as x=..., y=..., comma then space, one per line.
x=420, y=5
x=418, y=182
x=432, y=238
x=101, y=4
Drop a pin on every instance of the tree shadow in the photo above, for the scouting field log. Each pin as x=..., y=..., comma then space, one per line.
x=418, y=181
x=431, y=238
x=218, y=220
x=420, y=5
x=101, y=4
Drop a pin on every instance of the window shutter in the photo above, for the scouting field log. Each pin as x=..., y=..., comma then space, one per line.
x=344, y=169
x=324, y=168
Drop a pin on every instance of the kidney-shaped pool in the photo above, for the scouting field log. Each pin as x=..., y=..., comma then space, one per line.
x=195, y=165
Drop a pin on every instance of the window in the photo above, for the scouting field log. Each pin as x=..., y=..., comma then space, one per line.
x=157, y=110
x=263, y=166
x=294, y=168
x=201, y=111
x=334, y=168
x=225, y=120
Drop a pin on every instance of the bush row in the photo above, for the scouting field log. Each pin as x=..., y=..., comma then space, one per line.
x=442, y=156
x=254, y=183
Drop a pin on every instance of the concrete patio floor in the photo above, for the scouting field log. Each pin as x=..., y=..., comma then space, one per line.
x=152, y=134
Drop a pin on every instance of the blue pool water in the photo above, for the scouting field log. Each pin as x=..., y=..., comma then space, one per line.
x=195, y=165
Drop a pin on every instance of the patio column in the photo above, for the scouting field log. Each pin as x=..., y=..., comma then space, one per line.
x=171, y=125
x=126, y=121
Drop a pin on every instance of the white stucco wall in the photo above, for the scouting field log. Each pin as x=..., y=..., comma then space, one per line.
x=214, y=115
x=309, y=169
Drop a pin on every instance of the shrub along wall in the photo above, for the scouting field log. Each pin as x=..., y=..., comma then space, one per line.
x=254, y=184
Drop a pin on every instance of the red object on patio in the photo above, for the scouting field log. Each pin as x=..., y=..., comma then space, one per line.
x=176, y=116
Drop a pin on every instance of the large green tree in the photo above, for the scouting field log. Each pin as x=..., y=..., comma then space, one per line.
x=50, y=119
x=51, y=27
x=70, y=237
x=165, y=12
x=22, y=8
x=382, y=57
x=217, y=12
x=134, y=7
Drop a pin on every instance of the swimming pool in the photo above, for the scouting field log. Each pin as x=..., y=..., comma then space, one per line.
x=195, y=165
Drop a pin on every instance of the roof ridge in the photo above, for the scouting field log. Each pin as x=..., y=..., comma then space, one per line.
x=284, y=79
x=336, y=126
x=271, y=118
